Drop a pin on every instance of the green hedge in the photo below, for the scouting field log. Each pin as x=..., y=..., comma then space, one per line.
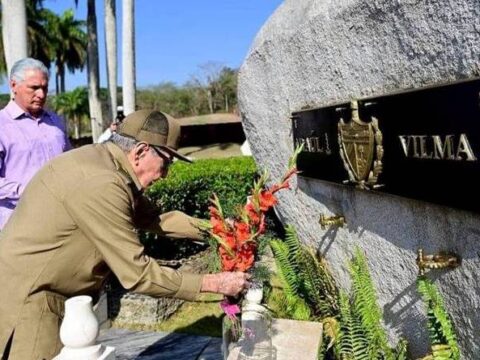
x=188, y=187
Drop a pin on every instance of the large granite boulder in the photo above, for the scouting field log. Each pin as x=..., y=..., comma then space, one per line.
x=316, y=53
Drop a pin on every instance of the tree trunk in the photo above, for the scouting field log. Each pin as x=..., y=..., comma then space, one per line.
x=57, y=81
x=111, y=49
x=62, y=80
x=76, y=129
x=210, y=100
x=14, y=31
x=128, y=56
x=94, y=103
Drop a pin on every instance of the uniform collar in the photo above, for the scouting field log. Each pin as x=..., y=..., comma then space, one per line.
x=122, y=163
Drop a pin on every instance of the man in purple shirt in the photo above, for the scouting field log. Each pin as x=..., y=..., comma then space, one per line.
x=29, y=135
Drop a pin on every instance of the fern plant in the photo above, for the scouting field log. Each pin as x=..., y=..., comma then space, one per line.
x=440, y=328
x=306, y=281
x=365, y=305
x=358, y=333
x=288, y=302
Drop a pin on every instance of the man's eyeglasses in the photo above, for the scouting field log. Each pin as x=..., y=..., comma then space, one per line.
x=167, y=159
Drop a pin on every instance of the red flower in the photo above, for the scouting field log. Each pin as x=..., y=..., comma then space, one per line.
x=245, y=257
x=230, y=240
x=218, y=227
x=266, y=200
x=261, y=227
x=214, y=212
x=228, y=263
x=237, y=240
x=242, y=232
x=252, y=214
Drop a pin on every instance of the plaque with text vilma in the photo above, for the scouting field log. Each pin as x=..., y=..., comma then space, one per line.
x=423, y=144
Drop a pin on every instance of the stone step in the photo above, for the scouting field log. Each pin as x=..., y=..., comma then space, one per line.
x=292, y=339
x=143, y=345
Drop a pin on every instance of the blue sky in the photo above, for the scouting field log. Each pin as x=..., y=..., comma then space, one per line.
x=174, y=37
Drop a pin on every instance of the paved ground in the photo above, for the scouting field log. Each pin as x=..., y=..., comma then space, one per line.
x=142, y=345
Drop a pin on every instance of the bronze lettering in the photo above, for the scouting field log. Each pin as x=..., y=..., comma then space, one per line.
x=310, y=147
x=443, y=151
x=327, y=146
x=299, y=142
x=423, y=148
x=465, y=148
x=405, y=142
x=416, y=143
x=315, y=144
x=433, y=147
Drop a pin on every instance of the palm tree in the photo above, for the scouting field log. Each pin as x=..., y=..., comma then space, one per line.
x=68, y=42
x=39, y=39
x=111, y=50
x=128, y=56
x=14, y=31
x=37, y=35
x=95, y=105
x=72, y=105
x=3, y=63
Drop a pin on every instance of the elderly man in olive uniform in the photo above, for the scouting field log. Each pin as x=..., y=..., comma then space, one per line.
x=78, y=220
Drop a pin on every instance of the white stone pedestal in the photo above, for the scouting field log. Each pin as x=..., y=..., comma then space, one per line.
x=95, y=352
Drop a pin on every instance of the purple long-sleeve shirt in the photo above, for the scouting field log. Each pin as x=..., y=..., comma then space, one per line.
x=26, y=144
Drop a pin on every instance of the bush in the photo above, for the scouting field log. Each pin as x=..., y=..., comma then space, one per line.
x=189, y=187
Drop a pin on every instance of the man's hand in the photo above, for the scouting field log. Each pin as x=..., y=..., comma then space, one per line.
x=226, y=283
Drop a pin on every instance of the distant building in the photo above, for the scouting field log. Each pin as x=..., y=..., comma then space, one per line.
x=211, y=129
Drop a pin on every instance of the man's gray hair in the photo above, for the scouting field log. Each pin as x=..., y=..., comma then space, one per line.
x=123, y=142
x=17, y=72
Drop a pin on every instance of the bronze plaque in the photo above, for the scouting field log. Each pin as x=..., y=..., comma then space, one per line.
x=423, y=144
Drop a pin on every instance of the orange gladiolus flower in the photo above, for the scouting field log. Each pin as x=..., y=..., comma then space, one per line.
x=214, y=212
x=245, y=258
x=242, y=232
x=237, y=245
x=261, y=227
x=230, y=240
x=237, y=238
x=252, y=214
x=266, y=200
x=228, y=263
x=218, y=227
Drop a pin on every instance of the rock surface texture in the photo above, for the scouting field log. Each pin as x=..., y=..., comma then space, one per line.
x=316, y=53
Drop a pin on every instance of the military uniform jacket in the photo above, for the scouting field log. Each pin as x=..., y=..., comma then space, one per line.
x=76, y=221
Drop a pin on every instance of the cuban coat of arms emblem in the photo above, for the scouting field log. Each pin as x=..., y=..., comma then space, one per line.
x=361, y=149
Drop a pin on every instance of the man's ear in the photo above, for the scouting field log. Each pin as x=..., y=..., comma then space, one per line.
x=13, y=86
x=141, y=149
